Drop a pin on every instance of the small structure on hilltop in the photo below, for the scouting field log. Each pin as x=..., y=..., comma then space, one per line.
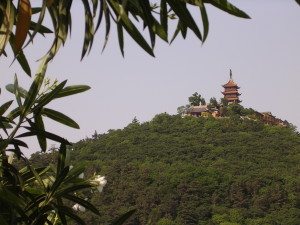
x=197, y=111
x=231, y=93
x=199, y=108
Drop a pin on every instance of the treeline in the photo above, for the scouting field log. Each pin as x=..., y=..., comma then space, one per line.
x=194, y=171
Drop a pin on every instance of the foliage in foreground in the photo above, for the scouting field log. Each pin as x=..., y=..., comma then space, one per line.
x=40, y=195
x=192, y=171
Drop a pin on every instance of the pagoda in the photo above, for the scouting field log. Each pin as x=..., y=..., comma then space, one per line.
x=231, y=93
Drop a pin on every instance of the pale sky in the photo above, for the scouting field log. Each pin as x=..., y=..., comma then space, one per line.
x=263, y=54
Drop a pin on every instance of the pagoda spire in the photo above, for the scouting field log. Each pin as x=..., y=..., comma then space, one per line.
x=230, y=74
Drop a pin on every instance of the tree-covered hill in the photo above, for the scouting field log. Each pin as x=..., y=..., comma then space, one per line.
x=192, y=171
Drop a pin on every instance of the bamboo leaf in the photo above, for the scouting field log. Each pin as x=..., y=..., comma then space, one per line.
x=226, y=6
x=35, y=86
x=61, y=161
x=83, y=203
x=59, y=179
x=69, y=212
x=16, y=91
x=19, y=142
x=129, y=27
x=14, y=114
x=41, y=29
x=107, y=26
x=72, y=90
x=44, y=100
x=5, y=106
x=120, y=38
x=204, y=20
x=51, y=136
x=76, y=187
x=40, y=136
x=39, y=22
x=22, y=92
x=89, y=29
x=185, y=17
x=164, y=15
x=59, y=117
x=19, y=54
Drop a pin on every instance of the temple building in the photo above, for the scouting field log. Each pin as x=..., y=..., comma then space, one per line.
x=231, y=93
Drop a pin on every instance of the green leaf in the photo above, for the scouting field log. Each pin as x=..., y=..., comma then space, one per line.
x=120, y=38
x=298, y=1
x=70, y=213
x=122, y=219
x=72, y=90
x=82, y=202
x=39, y=22
x=89, y=28
x=14, y=113
x=35, y=173
x=164, y=15
x=5, y=107
x=22, y=92
x=76, y=187
x=107, y=25
x=40, y=126
x=74, y=173
x=58, y=180
x=59, y=117
x=129, y=26
x=19, y=54
x=185, y=17
x=51, y=136
x=44, y=100
x=61, y=161
x=225, y=6
x=36, y=10
x=42, y=29
x=16, y=91
x=204, y=20
x=19, y=142
x=35, y=86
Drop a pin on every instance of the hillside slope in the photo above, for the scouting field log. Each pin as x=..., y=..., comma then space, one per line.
x=192, y=171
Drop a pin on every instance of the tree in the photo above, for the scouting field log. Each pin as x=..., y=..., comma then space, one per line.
x=196, y=100
x=213, y=103
x=182, y=109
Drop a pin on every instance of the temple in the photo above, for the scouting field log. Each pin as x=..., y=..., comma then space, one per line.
x=231, y=93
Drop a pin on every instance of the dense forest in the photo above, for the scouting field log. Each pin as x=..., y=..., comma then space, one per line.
x=193, y=171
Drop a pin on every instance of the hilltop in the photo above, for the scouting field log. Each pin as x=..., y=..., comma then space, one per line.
x=192, y=171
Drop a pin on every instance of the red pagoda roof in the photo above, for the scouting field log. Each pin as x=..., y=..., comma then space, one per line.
x=230, y=83
x=230, y=92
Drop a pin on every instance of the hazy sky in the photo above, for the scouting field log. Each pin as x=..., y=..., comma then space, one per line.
x=263, y=54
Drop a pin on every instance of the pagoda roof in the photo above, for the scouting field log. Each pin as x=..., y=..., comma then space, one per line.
x=230, y=83
x=230, y=92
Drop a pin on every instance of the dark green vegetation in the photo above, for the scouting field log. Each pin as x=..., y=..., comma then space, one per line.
x=193, y=171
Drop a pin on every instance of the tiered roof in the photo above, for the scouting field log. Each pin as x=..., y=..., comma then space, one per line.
x=231, y=91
